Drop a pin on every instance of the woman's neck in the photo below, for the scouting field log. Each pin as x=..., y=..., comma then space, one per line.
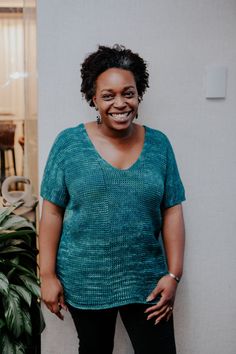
x=114, y=134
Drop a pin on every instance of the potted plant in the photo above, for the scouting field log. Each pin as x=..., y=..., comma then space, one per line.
x=21, y=319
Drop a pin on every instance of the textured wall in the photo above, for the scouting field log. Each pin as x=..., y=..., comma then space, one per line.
x=178, y=39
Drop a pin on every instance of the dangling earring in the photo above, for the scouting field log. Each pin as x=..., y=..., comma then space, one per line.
x=139, y=100
x=99, y=119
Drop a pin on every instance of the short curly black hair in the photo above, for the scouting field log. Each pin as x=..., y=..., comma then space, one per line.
x=112, y=57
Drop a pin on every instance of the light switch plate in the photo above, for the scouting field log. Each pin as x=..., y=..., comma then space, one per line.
x=216, y=77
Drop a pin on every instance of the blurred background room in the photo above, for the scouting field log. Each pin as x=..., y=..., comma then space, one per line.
x=18, y=93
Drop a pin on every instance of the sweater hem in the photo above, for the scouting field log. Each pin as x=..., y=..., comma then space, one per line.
x=108, y=306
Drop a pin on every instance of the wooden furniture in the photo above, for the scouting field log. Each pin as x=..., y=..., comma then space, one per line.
x=7, y=139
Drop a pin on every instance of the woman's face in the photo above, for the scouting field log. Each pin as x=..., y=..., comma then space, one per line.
x=116, y=98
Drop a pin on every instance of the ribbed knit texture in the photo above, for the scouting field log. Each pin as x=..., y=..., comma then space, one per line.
x=110, y=252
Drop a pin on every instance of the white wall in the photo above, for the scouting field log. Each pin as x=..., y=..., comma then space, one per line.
x=178, y=39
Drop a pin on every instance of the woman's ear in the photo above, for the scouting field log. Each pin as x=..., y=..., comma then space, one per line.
x=94, y=102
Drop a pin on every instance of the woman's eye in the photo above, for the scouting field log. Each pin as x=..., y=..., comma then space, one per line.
x=129, y=94
x=107, y=97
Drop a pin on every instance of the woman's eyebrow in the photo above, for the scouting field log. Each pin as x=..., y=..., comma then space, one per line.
x=128, y=87
x=110, y=90
x=125, y=88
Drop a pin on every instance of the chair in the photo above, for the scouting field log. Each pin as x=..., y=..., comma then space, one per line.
x=7, y=140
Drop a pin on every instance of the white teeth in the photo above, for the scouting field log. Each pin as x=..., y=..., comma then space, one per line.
x=121, y=117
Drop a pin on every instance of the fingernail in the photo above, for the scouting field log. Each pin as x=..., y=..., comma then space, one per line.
x=157, y=322
x=149, y=298
x=64, y=307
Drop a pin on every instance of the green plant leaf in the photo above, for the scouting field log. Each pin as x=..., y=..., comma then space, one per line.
x=10, y=246
x=11, y=273
x=10, y=347
x=38, y=323
x=19, y=234
x=31, y=284
x=6, y=344
x=20, y=348
x=13, y=316
x=2, y=324
x=4, y=284
x=12, y=249
x=27, y=321
x=14, y=242
x=25, y=271
x=16, y=260
x=24, y=293
x=41, y=322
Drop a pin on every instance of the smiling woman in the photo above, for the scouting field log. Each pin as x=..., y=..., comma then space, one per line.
x=110, y=187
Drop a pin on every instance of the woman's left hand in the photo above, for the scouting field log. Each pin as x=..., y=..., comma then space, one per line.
x=166, y=287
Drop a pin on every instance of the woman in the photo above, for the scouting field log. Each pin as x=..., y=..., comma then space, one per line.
x=109, y=188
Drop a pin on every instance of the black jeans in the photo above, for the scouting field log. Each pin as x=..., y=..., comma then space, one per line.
x=96, y=329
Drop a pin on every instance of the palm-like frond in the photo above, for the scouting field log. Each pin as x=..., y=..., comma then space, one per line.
x=19, y=285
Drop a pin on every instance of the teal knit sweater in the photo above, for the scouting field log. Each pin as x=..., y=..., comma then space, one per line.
x=110, y=253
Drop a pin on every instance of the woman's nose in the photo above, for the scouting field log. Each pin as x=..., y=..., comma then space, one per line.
x=119, y=101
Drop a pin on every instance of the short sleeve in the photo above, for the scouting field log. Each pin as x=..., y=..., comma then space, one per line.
x=174, y=192
x=53, y=186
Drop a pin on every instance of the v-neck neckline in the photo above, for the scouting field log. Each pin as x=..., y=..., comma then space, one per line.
x=108, y=164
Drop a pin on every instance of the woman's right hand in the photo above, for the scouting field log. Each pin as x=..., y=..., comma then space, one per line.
x=52, y=294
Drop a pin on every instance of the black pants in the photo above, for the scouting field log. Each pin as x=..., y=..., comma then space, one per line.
x=96, y=329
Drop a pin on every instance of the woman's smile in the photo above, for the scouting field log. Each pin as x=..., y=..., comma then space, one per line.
x=121, y=116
